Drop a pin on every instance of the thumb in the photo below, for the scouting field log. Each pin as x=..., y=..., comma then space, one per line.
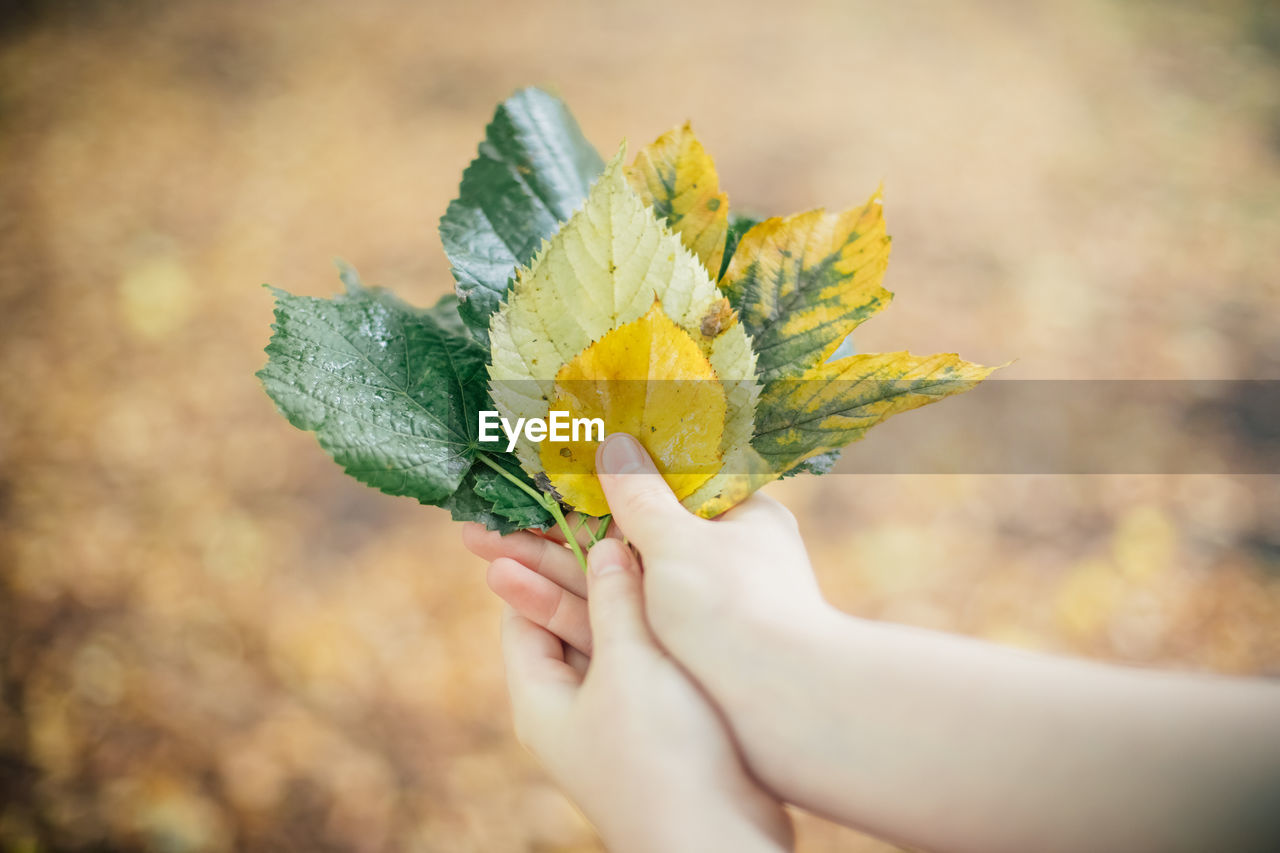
x=615, y=602
x=642, y=503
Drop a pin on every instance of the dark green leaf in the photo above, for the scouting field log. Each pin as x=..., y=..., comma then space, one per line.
x=391, y=391
x=445, y=311
x=509, y=500
x=497, y=503
x=533, y=169
x=738, y=225
x=465, y=505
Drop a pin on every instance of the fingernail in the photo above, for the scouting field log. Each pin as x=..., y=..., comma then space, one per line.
x=622, y=454
x=606, y=557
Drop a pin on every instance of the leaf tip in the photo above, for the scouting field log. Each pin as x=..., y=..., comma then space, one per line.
x=350, y=278
x=616, y=161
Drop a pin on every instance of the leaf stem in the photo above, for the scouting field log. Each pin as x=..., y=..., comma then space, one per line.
x=553, y=506
x=601, y=529
x=548, y=503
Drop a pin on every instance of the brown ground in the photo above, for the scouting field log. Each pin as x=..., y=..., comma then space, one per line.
x=213, y=639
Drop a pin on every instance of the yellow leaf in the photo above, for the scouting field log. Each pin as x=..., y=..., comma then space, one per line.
x=742, y=471
x=803, y=283
x=603, y=270
x=650, y=379
x=677, y=178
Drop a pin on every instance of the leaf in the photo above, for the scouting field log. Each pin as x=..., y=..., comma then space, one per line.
x=465, y=504
x=604, y=270
x=486, y=496
x=675, y=176
x=510, y=501
x=802, y=284
x=532, y=171
x=835, y=404
x=819, y=465
x=650, y=379
x=390, y=391
x=445, y=311
x=738, y=226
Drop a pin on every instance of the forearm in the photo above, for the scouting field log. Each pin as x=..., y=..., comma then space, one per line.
x=684, y=819
x=952, y=744
x=696, y=834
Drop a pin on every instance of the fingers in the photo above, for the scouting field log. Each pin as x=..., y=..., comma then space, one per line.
x=539, y=679
x=616, y=604
x=577, y=660
x=545, y=557
x=542, y=601
x=645, y=507
x=540, y=682
x=555, y=534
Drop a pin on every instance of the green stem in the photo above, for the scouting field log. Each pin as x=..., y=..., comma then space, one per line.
x=553, y=506
x=601, y=529
x=548, y=503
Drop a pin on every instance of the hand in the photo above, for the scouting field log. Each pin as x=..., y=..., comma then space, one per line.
x=633, y=741
x=932, y=740
x=746, y=569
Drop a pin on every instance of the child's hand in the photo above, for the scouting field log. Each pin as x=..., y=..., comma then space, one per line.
x=707, y=582
x=633, y=742
x=935, y=741
x=703, y=579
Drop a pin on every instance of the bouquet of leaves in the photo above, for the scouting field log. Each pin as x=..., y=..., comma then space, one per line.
x=623, y=293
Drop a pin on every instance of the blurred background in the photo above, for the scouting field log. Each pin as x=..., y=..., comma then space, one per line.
x=212, y=639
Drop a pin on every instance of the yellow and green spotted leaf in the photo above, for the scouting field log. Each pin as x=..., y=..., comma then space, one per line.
x=835, y=404
x=803, y=283
x=676, y=177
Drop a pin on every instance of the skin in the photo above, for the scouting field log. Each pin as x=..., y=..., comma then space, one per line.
x=631, y=738
x=931, y=740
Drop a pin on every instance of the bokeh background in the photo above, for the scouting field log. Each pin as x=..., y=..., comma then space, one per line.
x=214, y=640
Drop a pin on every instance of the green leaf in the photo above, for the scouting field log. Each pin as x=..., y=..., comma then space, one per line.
x=445, y=311
x=533, y=170
x=510, y=501
x=486, y=496
x=466, y=505
x=390, y=391
x=738, y=225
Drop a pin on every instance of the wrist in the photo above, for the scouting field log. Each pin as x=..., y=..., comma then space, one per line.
x=743, y=653
x=771, y=677
x=767, y=651
x=714, y=627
